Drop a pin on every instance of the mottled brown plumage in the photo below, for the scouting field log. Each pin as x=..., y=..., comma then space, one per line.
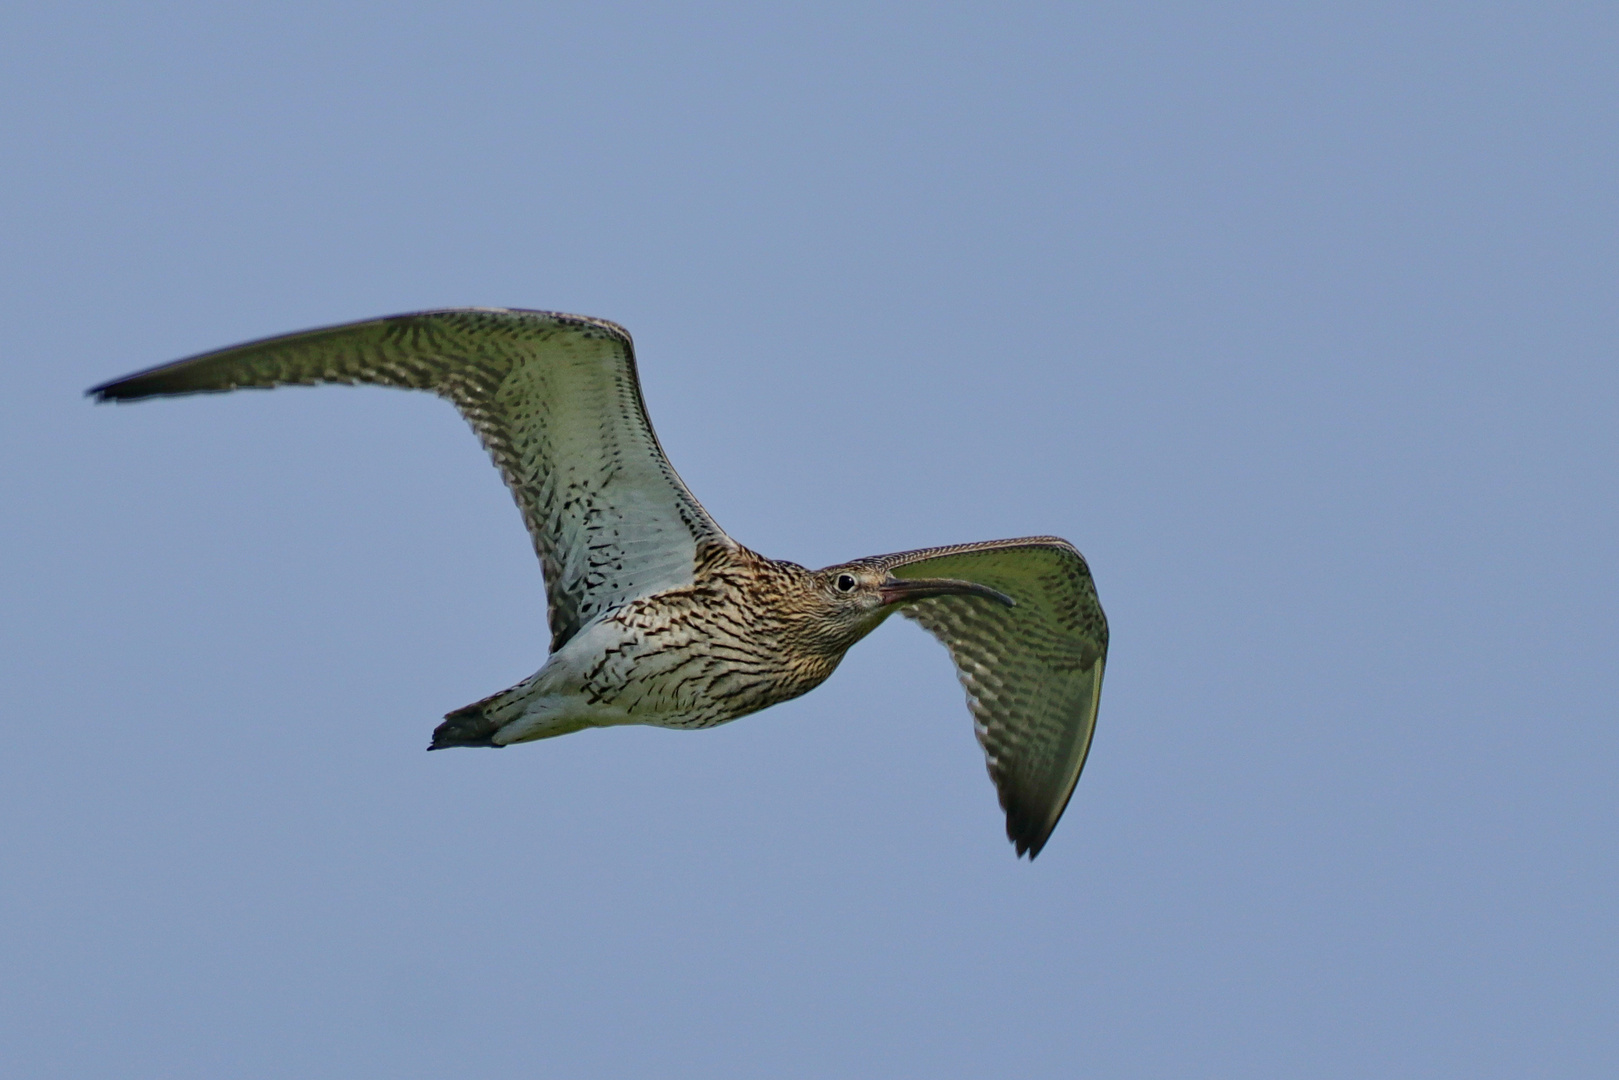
x=657, y=616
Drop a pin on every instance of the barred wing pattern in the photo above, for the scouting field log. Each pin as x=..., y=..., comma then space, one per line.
x=1033, y=673
x=554, y=399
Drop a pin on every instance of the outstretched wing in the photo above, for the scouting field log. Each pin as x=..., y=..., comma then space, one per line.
x=555, y=400
x=1033, y=672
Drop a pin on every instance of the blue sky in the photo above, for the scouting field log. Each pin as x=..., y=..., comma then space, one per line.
x=1298, y=321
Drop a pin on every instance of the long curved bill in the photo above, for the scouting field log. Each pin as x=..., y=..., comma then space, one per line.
x=909, y=590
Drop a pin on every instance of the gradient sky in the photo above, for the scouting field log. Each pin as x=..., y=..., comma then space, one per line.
x=1299, y=320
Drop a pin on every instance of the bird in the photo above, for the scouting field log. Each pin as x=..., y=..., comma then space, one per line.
x=656, y=615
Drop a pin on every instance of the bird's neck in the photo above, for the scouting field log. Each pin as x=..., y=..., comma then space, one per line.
x=781, y=597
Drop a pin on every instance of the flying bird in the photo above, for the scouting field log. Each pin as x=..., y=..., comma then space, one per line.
x=656, y=615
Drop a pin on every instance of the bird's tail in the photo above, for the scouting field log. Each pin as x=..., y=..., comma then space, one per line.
x=472, y=725
x=518, y=714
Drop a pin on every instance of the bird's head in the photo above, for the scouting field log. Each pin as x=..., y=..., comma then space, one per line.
x=848, y=601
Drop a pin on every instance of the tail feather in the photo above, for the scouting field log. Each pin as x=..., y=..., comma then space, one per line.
x=522, y=712
x=469, y=726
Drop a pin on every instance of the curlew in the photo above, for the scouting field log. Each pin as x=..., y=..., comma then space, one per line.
x=656, y=615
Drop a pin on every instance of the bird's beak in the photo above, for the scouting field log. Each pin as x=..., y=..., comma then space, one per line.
x=909, y=590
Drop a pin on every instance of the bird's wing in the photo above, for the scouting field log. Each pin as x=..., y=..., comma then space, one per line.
x=555, y=400
x=1033, y=672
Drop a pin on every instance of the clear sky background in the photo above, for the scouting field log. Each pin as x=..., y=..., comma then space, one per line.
x=1299, y=320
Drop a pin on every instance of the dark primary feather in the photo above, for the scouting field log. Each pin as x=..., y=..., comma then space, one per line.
x=1033, y=672
x=554, y=399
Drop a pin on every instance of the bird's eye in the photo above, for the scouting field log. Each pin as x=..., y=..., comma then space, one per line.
x=846, y=583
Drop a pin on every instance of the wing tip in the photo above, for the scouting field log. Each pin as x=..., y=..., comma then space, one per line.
x=146, y=384
x=167, y=380
x=117, y=390
x=1029, y=840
